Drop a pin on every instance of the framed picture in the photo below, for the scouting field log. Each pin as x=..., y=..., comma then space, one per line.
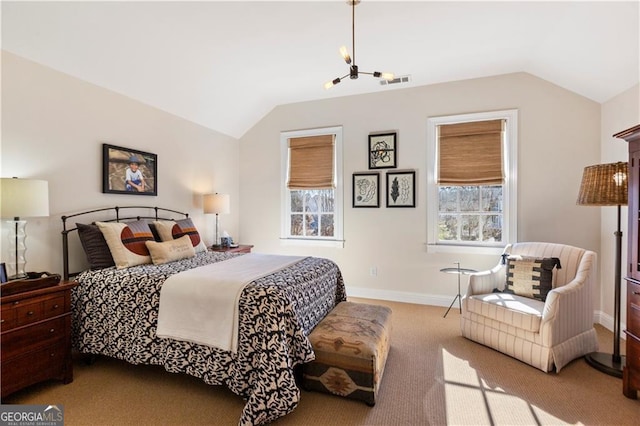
x=401, y=189
x=383, y=150
x=128, y=171
x=366, y=190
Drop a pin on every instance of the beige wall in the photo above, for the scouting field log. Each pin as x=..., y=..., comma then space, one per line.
x=619, y=113
x=53, y=127
x=559, y=133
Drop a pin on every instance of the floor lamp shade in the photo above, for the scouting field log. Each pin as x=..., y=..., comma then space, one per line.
x=216, y=204
x=21, y=198
x=606, y=185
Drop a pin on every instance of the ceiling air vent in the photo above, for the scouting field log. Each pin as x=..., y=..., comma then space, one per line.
x=397, y=80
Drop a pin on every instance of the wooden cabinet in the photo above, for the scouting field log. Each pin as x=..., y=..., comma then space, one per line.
x=631, y=371
x=240, y=249
x=35, y=333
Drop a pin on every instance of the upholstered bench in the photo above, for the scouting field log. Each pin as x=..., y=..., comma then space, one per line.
x=351, y=345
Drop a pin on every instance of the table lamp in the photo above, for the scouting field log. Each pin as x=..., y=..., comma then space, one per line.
x=218, y=204
x=21, y=198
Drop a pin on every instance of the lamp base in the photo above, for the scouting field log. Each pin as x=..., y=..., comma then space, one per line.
x=606, y=363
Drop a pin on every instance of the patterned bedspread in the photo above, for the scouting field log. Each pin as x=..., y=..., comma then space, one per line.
x=116, y=312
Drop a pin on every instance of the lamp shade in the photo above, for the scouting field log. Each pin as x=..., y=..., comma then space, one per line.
x=216, y=203
x=604, y=185
x=24, y=197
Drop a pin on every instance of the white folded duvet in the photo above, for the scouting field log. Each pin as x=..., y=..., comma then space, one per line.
x=201, y=305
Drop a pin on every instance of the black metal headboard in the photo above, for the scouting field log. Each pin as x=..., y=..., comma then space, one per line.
x=112, y=215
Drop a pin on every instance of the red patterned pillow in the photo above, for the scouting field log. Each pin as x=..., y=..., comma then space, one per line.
x=169, y=230
x=126, y=242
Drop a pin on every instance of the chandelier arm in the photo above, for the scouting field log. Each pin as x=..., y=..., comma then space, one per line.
x=351, y=60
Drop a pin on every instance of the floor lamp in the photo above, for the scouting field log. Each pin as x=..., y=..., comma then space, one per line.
x=606, y=185
x=21, y=198
x=218, y=204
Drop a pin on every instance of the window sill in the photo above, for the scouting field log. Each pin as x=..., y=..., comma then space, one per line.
x=462, y=249
x=311, y=242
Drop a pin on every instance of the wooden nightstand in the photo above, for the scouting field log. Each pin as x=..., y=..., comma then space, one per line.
x=36, y=337
x=240, y=249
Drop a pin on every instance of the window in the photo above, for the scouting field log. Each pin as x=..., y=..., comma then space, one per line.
x=312, y=186
x=471, y=181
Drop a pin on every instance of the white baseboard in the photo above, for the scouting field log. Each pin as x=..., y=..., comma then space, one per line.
x=400, y=296
x=607, y=322
x=599, y=317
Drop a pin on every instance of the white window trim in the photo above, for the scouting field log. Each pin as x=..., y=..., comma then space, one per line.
x=510, y=214
x=285, y=200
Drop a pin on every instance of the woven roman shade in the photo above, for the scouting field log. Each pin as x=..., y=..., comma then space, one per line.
x=471, y=153
x=311, y=162
x=604, y=185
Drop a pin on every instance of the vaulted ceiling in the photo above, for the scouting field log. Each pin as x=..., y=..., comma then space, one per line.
x=225, y=65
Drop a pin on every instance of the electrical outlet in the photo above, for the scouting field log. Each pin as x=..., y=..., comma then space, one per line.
x=373, y=271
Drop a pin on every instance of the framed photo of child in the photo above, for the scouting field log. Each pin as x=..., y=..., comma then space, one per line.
x=128, y=171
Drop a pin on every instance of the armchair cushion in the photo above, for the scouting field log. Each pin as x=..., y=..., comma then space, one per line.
x=529, y=276
x=521, y=312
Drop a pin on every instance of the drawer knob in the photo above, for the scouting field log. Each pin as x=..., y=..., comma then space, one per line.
x=1, y=321
x=52, y=355
x=56, y=306
x=52, y=330
x=30, y=313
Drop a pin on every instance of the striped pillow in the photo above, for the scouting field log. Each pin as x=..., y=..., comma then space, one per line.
x=530, y=277
x=172, y=230
x=95, y=246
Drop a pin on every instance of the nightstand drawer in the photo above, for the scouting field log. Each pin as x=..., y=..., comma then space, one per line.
x=35, y=343
x=28, y=313
x=33, y=367
x=54, y=307
x=8, y=317
x=30, y=338
x=37, y=309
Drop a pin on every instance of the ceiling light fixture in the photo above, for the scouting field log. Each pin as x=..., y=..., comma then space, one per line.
x=353, y=69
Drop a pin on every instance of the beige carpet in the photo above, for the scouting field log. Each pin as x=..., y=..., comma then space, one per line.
x=433, y=377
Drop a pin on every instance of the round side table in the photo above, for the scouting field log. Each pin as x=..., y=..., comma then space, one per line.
x=460, y=271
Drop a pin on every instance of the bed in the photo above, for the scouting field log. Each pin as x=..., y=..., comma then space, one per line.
x=116, y=314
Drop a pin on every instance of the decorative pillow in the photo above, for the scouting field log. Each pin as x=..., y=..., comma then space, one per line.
x=170, y=251
x=169, y=230
x=95, y=246
x=126, y=242
x=530, y=277
x=154, y=231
